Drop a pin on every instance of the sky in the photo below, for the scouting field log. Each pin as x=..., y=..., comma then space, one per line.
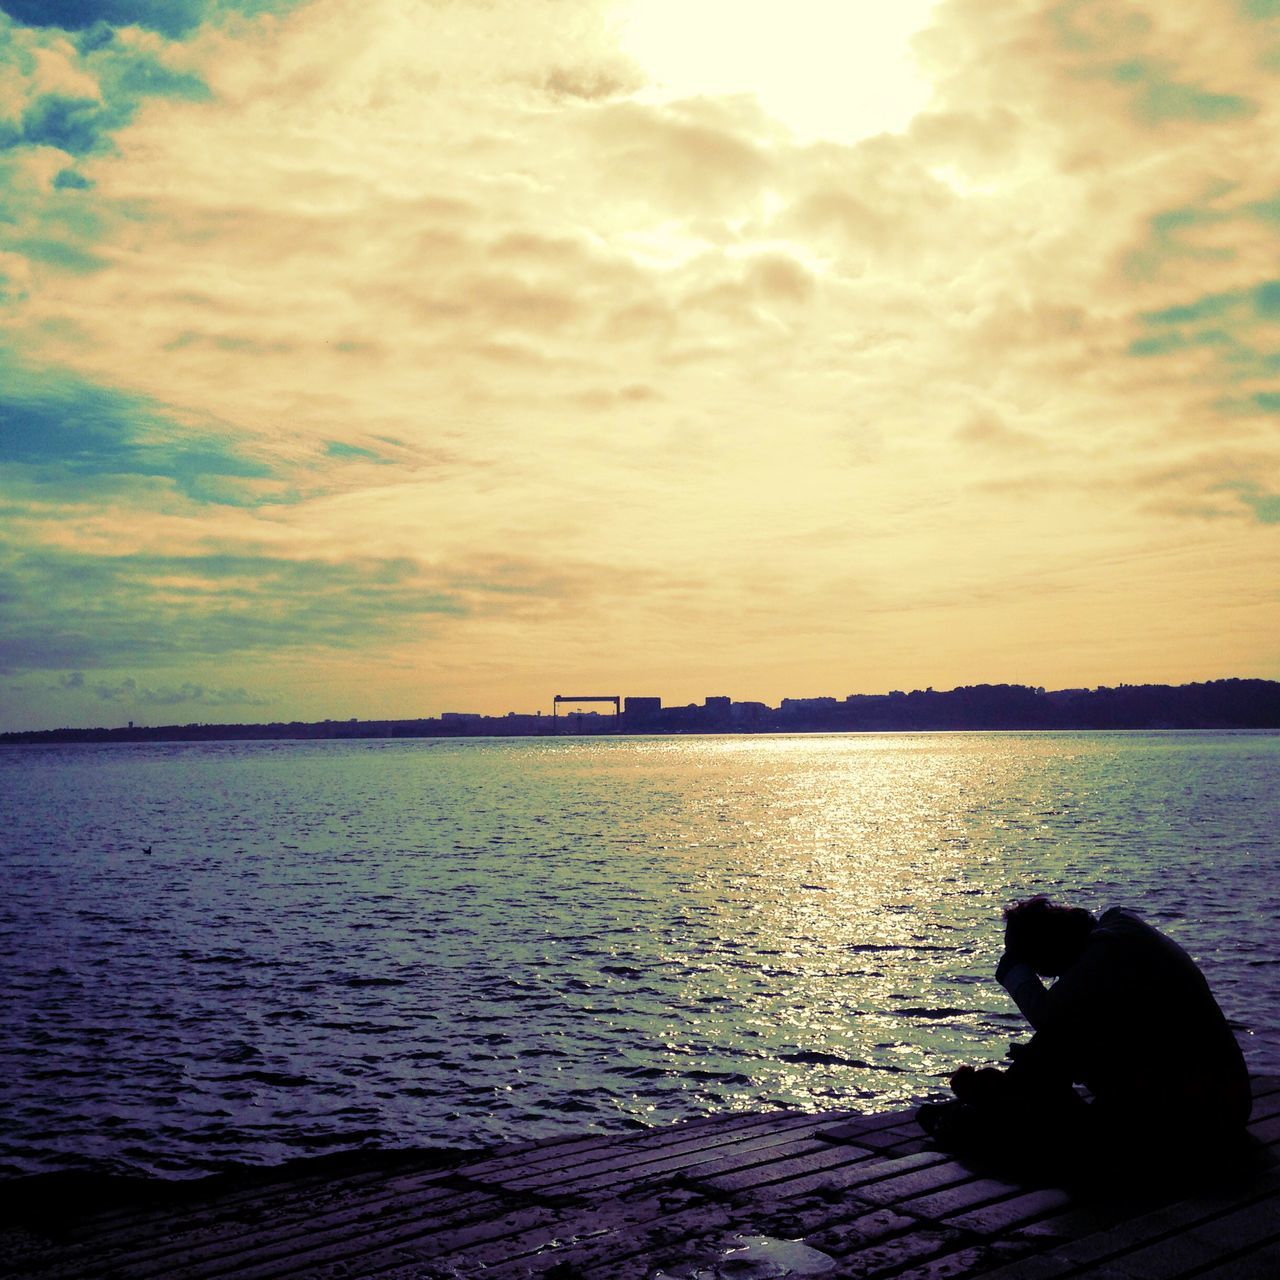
x=381, y=358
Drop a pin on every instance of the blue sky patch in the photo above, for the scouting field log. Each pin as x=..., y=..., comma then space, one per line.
x=70, y=180
x=172, y=18
x=1264, y=505
x=72, y=436
x=337, y=449
x=1159, y=98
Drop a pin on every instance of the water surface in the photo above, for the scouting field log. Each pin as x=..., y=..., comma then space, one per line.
x=459, y=942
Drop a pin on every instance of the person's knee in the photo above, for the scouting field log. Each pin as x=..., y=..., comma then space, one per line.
x=981, y=1086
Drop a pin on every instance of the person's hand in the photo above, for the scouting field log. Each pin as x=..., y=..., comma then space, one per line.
x=1007, y=961
x=1008, y=941
x=981, y=1087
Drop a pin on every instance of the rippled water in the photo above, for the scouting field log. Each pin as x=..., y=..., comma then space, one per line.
x=442, y=942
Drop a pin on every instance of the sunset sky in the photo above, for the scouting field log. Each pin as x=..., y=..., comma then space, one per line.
x=389, y=357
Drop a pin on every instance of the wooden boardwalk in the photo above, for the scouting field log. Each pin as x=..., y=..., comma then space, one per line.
x=867, y=1196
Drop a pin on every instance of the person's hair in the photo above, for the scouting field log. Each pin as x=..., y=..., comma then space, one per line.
x=1047, y=935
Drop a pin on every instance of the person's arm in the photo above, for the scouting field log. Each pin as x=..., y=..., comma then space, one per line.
x=1066, y=1016
x=1023, y=984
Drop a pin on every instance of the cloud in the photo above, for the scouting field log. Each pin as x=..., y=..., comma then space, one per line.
x=174, y=19
x=67, y=97
x=75, y=99
x=130, y=691
x=74, y=125
x=698, y=155
x=1265, y=506
x=1158, y=97
x=60, y=435
x=66, y=179
x=355, y=452
x=71, y=609
x=987, y=431
x=416, y=332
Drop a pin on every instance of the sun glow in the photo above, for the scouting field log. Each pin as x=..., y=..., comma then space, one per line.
x=835, y=69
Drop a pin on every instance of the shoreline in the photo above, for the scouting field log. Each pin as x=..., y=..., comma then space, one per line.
x=839, y=1192
x=32, y=1196
x=1228, y=704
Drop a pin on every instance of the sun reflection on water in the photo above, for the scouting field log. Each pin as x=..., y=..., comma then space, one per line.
x=480, y=941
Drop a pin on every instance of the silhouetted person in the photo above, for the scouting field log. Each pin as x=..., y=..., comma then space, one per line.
x=1130, y=1017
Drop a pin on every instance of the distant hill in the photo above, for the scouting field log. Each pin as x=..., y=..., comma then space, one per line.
x=1214, y=704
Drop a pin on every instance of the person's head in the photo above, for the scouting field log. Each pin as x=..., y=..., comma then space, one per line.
x=1047, y=936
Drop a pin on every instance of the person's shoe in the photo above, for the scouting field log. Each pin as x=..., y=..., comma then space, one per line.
x=952, y=1125
x=931, y=1116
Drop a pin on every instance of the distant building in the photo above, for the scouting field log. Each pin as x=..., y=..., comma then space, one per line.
x=717, y=713
x=750, y=715
x=806, y=704
x=641, y=713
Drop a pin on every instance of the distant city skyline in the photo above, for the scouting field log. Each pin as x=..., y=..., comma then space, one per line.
x=374, y=359
x=1220, y=704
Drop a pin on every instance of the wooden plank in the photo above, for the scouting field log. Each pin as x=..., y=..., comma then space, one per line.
x=380, y=1248
x=1262, y=1263
x=1264, y=1084
x=1075, y=1221
x=862, y=1231
x=880, y=1212
x=1265, y=1104
x=848, y=1179
x=1001, y=1217
x=611, y=1166
x=723, y=1130
x=1137, y=1232
x=620, y=1232
x=647, y=1163
x=972, y=1260
x=680, y=1256
x=383, y=1205
x=892, y=1256
x=853, y=1130
x=1206, y=1244
x=227, y=1209
x=916, y=1182
x=890, y=1137
x=726, y=1177
x=827, y=1211
x=1266, y=1131
x=223, y=1196
x=845, y=1238
x=608, y=1232
x=245, y=1254
x=151, y=1252
x=149, y=1247
x=937, y=1205
x=1044, y=1266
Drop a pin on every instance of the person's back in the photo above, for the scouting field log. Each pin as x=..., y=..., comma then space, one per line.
x=1133, y=1019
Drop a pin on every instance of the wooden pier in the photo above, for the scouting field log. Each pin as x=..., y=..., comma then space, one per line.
x=749, y=1196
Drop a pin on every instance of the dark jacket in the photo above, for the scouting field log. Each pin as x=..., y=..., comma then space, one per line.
x=1133, y=1019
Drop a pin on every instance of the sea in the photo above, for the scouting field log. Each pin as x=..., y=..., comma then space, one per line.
x=231, y=953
